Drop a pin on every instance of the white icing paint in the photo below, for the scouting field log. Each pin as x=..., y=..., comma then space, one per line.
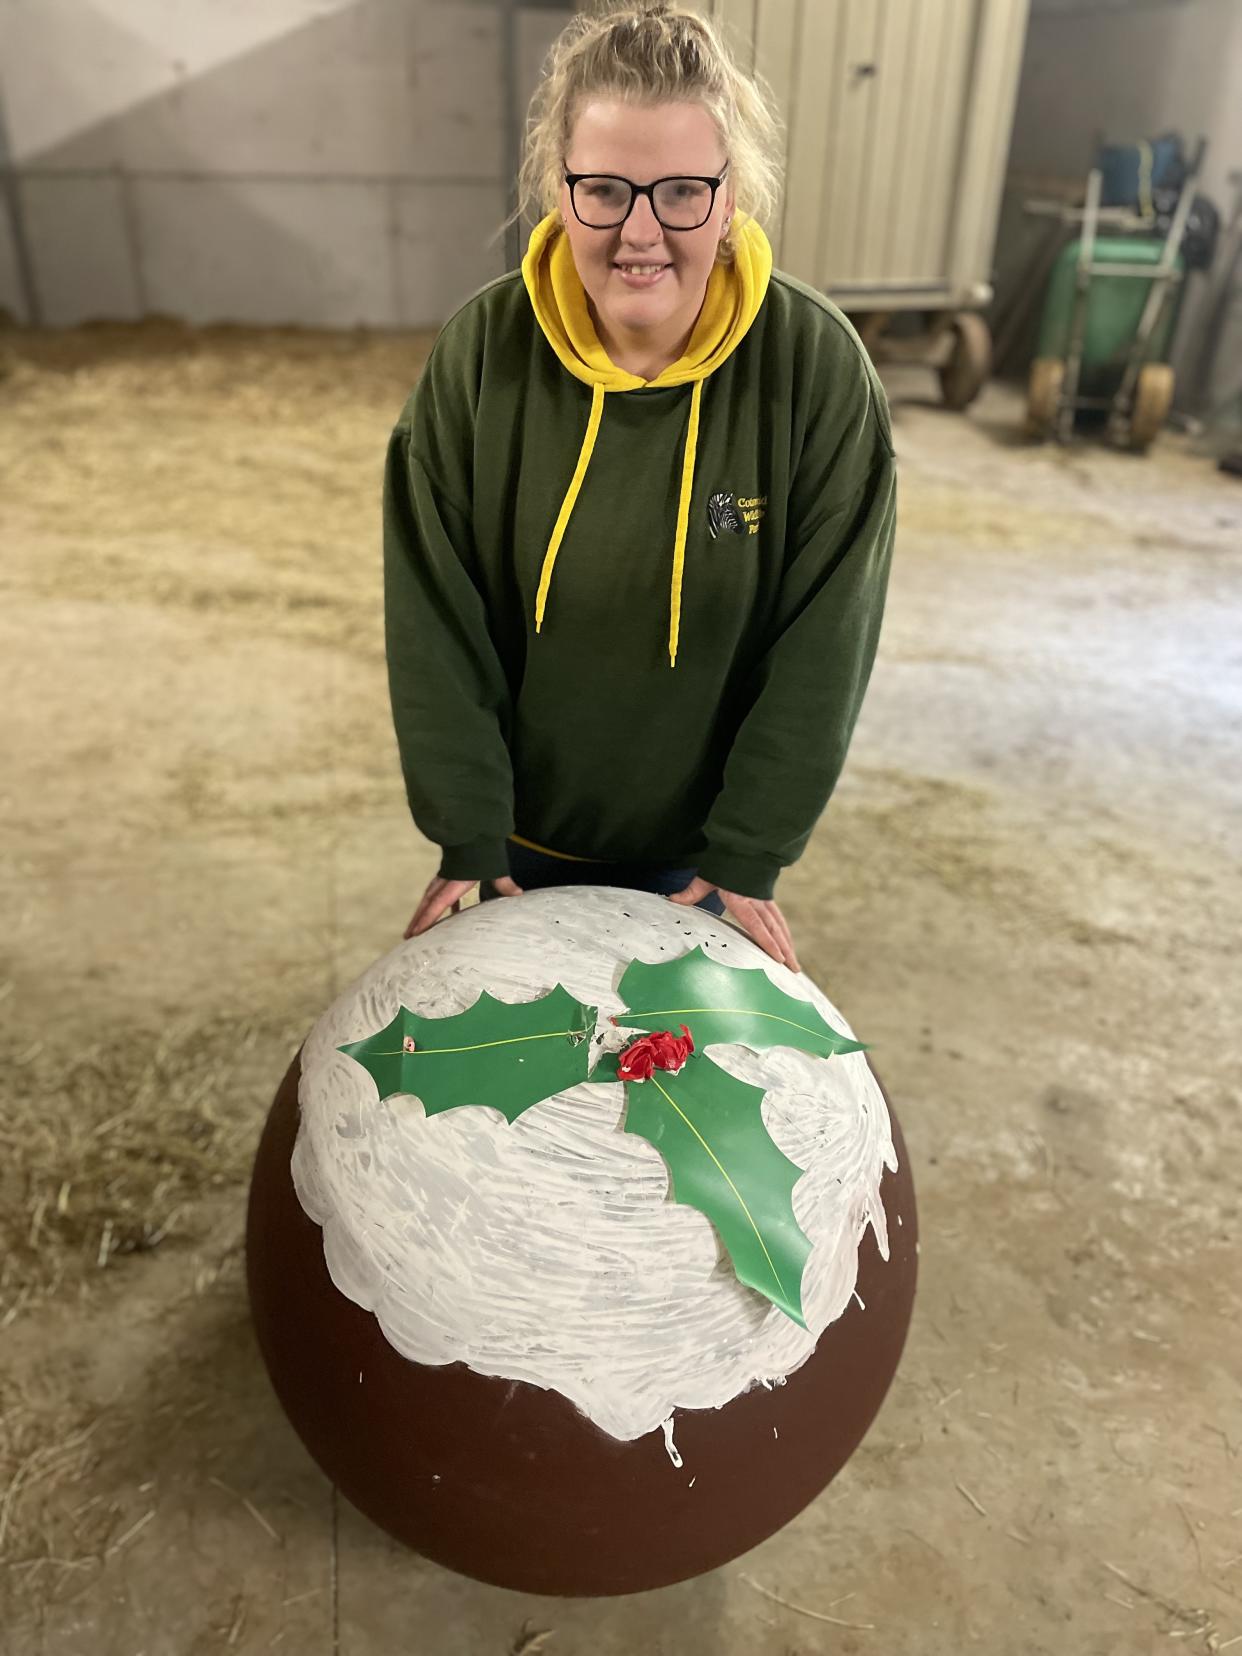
x=674, y=1454
x=549, y=1251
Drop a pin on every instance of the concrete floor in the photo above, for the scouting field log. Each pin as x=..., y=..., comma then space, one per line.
x=1026, y=895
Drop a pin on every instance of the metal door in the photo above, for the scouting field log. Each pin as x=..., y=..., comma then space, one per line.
x=898, y=116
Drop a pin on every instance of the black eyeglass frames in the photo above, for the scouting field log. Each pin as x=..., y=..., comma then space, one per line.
x=603, y=201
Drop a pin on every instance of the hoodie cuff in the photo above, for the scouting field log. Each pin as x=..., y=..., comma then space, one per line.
x=481, y=859
x=749, y=874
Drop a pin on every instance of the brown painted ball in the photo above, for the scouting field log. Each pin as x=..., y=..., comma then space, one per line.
x=509, y=1482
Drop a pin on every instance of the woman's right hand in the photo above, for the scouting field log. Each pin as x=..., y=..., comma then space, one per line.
x=441, y=896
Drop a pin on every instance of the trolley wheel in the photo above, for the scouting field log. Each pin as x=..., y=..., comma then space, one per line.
x=1043, y=396
x=1153, y=397
x=966, y=372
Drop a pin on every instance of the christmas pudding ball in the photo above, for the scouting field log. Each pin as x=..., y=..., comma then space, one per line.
x=581, y=1242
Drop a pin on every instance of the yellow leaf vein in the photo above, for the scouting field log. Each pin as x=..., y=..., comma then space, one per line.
x=480, y=1046
x=741, y=1011
x=728, y=1181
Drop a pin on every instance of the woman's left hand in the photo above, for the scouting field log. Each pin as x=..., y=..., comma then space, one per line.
x=758, y=917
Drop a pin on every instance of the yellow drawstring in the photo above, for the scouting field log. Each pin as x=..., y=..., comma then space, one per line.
x=683, y=513
x=683, y=521
x=567, y=505
x=547, y=851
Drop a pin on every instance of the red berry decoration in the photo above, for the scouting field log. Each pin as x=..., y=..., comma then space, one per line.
x=661, y=1050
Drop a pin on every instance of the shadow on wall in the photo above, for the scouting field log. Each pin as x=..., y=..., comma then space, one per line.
x=348, y=172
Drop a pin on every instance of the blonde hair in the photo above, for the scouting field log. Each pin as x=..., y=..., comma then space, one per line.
x=645, y=54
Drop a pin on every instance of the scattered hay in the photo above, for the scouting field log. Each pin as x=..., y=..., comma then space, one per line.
x=50, y=1537
x=230, y=474
x=530, y=1640
x=109, y=1143
x=111, y=1147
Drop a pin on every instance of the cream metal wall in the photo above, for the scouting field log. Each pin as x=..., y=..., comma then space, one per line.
x=898, y=117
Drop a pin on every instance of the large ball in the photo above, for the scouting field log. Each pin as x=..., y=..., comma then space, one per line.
x=505, y=1342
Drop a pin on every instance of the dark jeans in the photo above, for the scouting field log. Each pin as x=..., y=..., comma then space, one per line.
x=533, y=870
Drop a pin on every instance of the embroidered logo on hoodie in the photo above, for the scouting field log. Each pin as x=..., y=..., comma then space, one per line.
x=730, y=514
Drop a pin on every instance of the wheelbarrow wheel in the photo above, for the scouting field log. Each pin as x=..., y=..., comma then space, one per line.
x=966, y=372
x=1153, y=397
x=1043, y=396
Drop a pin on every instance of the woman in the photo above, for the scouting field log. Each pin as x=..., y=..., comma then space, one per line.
x=638, y=512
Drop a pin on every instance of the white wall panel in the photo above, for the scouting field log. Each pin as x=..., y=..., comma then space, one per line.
x=83, y=62
x=313, y=161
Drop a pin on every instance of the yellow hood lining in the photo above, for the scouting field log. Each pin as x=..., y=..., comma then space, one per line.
x=734, y=295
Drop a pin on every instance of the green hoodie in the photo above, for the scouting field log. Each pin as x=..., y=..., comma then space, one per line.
x=628, y=621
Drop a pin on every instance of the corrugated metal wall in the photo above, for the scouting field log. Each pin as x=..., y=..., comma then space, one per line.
x=898, y=115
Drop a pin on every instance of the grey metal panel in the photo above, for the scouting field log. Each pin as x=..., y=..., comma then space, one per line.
x=368, y=89
x=246, y=250
x=528, y=28
x=13, y=300
x=80, y=248
x=348, y=87
x=449, y=242
x=19, y=296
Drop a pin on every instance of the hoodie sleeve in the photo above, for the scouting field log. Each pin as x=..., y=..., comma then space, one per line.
x=808, y=686
x=450, y=698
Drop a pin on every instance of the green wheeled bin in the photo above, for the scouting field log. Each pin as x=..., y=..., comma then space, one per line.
x=1114, y=312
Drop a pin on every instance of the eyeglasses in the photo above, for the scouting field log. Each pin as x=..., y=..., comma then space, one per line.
x=603, y=201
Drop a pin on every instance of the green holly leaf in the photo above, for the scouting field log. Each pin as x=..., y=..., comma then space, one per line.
x=505, y=1055
x=708, y=1127
x=724, y=1003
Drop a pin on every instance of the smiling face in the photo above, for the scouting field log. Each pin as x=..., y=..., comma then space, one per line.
x=645, y=283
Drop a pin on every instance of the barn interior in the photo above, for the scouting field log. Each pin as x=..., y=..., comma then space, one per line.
x=228, y=238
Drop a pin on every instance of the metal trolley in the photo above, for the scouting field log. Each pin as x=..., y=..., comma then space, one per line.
x=1104, y=339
